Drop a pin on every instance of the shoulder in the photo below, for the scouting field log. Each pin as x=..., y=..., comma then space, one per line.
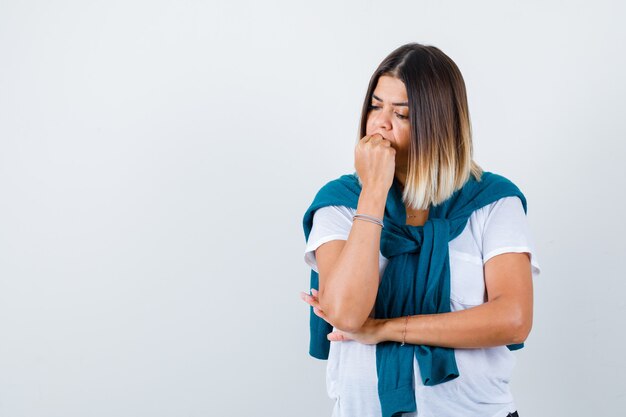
x=329, y=223
x=332, y=220
x=333, y=212
x=491, y=188
x=339, y=188
x=492, y=178
x=509, y=207
x=343, y=191
x=501, y=227
x=490, y=221
x=502, y=207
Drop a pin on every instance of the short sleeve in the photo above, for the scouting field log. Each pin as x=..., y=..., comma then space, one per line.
x=329, y=223
x=506, y=229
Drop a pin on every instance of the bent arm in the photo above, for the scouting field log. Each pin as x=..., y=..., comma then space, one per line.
x=349, y=270
x=506, y=317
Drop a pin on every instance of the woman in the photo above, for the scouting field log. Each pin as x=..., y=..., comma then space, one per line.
x=422, y=263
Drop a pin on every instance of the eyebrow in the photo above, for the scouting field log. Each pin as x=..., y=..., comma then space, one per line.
x=395, y=104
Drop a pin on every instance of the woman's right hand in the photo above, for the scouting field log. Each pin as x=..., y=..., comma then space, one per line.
x=375, y=162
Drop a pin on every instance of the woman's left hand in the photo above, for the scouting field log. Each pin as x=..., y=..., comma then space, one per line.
x=369, y=333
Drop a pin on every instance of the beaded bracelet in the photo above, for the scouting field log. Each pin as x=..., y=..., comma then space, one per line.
x=370, y=219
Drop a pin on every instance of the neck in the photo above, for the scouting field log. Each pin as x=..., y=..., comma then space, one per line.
x=401, y=177
x=420, y=216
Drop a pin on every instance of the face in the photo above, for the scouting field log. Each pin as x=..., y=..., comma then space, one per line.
x=389, y=116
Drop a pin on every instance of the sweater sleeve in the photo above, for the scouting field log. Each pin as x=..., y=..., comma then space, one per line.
x=506, y=229
x=329, y=223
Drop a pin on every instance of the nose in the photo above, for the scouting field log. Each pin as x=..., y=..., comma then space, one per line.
x=383, y=120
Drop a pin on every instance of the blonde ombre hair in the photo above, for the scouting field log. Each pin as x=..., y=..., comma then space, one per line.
x=440, y=150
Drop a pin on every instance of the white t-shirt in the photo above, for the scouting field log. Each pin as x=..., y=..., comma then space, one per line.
x=482, y=389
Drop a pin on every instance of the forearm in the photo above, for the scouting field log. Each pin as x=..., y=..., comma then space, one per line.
x=494, y=323
x=350, y=291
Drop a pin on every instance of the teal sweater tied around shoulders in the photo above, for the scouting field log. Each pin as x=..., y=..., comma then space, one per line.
x=416, y=279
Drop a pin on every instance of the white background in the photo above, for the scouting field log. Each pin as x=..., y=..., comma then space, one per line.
x=157, y=157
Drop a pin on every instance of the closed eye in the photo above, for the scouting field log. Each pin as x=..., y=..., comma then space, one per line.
x=398, y=115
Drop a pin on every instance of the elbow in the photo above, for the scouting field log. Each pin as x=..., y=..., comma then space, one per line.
x=343, y=317
x=349, y=323
x=520, y=329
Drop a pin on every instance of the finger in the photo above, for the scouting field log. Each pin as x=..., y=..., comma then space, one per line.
x=319, y=313
x=337, y=336
x=369, y=138
x=376, y=137
x=309, y=299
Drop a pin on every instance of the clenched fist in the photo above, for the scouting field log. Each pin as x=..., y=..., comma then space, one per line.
x=375, y=162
